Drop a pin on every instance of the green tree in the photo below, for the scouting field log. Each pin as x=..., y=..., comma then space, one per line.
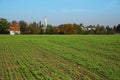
x=110, y=30
x=4, y=25
x=118, y=28
x=78, y=28
x=23, y=27
x=100, y=29
x=49, y=29
x=115, y=29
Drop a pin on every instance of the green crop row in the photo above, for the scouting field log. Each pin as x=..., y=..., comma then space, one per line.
x=59, y=57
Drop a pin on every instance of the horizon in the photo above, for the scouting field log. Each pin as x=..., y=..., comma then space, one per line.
x=87, y=12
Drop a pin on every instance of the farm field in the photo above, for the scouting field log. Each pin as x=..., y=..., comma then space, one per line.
x=60, y=57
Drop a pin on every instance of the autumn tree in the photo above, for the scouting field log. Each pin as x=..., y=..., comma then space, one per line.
x=34, y=28
x=67, y=29
x=56, y=30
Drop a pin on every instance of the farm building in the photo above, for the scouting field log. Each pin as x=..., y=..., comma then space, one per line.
x=88, y=28
x=14, y=28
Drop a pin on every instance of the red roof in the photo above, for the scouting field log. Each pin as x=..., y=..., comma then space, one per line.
x=14, y=27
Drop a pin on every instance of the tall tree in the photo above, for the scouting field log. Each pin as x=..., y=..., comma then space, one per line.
x=118, y=28
x=23, y=27
x=4, y=25
x=49, y=29
x=34, y=28
x=115, y=29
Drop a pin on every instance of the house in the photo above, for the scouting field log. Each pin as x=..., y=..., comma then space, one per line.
x=14, y=28
x=88, y=28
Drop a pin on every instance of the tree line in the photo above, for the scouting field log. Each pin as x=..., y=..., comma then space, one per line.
x=36, y=28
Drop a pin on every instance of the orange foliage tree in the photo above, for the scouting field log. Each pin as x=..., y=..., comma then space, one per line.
x=67, y=29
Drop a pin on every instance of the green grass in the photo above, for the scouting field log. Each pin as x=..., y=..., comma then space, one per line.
x=60, y=57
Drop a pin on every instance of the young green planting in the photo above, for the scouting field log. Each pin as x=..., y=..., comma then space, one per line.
x=59, y=57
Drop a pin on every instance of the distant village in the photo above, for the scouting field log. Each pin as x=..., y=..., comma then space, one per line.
x=43, y=27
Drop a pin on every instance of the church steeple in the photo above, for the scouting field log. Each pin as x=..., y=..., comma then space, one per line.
x=44, y=24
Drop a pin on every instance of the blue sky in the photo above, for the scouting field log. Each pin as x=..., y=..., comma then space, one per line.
x=104, y=12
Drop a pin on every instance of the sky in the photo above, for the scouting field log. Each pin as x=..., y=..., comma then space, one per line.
x=88, y=12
